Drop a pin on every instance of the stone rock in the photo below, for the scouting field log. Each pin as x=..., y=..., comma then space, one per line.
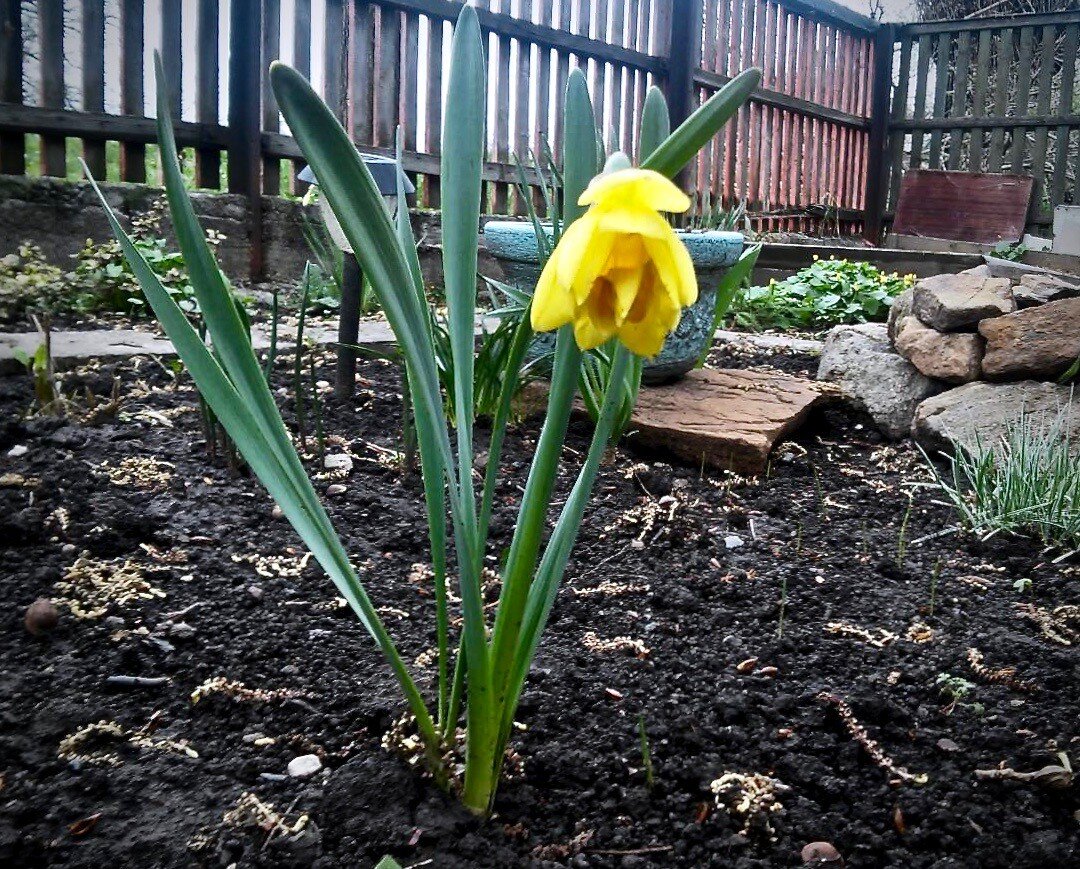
x=305, y=765
x=955, y=357
x=1037, y=342
x=884, y=384
x=982, y=271
x=726, y=418
x=338, y=462
x=1014, y=271
x=1036, y=289
x=980, y=413
x=901, y=308
x=952, y=302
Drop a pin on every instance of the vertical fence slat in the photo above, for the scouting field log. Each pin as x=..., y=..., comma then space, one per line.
x=334, y=48
x=410, y=66
x=1002, y=69
x=172, y=52
x=1042, y=108
x=207, y=76
x=1066, y=94
x=895, y=167
x=13, y=145
x=271, y=45
x=1018, y=151
x=132, y=154
x=978, y=108
x=520, y=141
x=918, y=112
x=93, y=79
x=361, y=80
x=958, y=105
x=245, y=66
x=502, y=120
x=387, y=88
x=942, y=56
x=51, y=32
x=434, y=109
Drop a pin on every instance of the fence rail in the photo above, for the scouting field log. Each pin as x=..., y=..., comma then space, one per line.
x=988, y=95
x=74, y=75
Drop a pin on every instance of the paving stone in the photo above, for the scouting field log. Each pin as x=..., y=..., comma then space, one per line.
x=950, y=303
x=1037, y=342
x=1038, y=289
x=726, y=418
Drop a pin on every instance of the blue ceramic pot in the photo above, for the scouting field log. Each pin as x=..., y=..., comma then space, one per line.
x=513, y=244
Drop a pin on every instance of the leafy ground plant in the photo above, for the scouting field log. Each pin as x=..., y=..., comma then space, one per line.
x=1027, y=483
x=826, y=293
x=494, y=659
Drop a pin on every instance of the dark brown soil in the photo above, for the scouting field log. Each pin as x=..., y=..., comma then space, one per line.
x=817, y=543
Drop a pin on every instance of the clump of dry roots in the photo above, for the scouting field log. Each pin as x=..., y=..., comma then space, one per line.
x=1001, y=676
x=750, y=796
x=861, y=736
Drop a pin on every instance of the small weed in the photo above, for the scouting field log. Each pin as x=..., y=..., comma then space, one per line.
x=783, y=607
x=901, y=537
x=935, y=575
x=646, y=753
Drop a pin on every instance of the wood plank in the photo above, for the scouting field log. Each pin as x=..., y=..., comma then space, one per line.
x=1017, y=152
x=967, y=206
x=387, y=85
x=334, y=58
x=302, y=37
x=93, y=79
x=1002, y=75
x=1042, y=107
x=1066, y=93
x=12, y=147
x=207, y=84
x=979, y=108
x=958, y=104
x=922, y=75
x=895, y=168
x=543, y=85
x=245, y=77
x=433, y=121
x=410, y=85
x=501, y=65
x=172, y=53
x=51, y=34
x=132, y=154
x=271, y=50
x=562, y=73
x=95, y=125
x=362, y=78
x=980, y=23
x=941, y=89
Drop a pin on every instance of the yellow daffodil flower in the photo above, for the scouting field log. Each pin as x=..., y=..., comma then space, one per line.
x=619, y=271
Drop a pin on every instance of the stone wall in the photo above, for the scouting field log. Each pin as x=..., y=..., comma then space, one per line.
x=964, y=354
x=59, y=216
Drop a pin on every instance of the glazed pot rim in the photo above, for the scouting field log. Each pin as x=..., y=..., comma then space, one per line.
x=709, y=248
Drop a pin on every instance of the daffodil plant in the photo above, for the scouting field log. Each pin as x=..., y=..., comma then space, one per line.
x=618, y=273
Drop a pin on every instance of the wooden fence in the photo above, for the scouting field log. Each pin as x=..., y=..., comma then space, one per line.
x=796, y=156
x=991, y=95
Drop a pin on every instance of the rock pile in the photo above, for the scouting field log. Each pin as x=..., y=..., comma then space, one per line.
x=959, y=350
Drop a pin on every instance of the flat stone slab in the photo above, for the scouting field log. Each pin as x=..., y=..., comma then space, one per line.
x=726, y=418
x=1037, y=342
x=74, y=348
x=958, y=302
x=979, y=413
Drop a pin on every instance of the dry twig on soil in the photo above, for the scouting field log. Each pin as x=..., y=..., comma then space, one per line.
x=861, y=736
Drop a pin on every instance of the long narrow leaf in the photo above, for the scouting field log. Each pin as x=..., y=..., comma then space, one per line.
x=683, y=145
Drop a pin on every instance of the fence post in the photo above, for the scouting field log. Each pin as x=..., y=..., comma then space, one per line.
x=245, y=117
x=684, y=56
x=12, y=149
x=881, y=83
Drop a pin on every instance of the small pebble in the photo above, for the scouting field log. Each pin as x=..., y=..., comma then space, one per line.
x=181, y=631
x=746, y=666
x=335, y=489
x=637, y=544
x=821, y=852
x=277, y=512
x=249, y=738
x=733, y=541
x=41, y=617
x=305, y=765
x=18, y=450
x=338, y=462
x=768, y=672
x=947, y=745
x=255, y=591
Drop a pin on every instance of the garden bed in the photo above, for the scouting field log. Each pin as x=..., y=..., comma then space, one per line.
x=680, y=578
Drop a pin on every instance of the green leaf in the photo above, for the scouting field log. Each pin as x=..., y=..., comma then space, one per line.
x=655, y=123
x=683, y=145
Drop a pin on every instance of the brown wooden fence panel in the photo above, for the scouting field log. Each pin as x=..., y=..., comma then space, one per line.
x=797, y=150
x=795, y=155
x=1003, y=100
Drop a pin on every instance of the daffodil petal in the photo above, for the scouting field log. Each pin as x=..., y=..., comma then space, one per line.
x=588, y=333
x=573, y=248
x=645, y=186
x=639, y=221
x=553, y=305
